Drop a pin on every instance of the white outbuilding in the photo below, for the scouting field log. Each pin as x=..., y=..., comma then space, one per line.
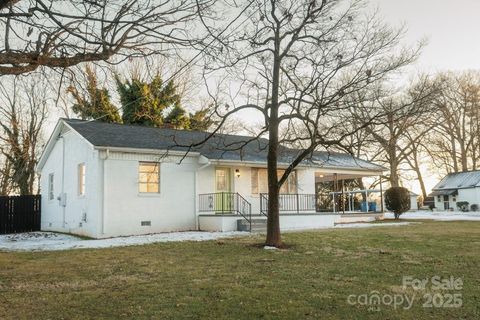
x=455, y=188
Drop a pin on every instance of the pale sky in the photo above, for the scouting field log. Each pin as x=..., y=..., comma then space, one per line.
x=451, y=26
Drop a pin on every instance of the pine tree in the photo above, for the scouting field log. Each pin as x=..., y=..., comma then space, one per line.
x=145, y=103
x=177, y=118
x=95, y=104
x=201, y=120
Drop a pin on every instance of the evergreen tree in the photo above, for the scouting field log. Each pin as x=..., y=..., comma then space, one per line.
x=177, y=118
x=201, y=120
x=145, y=103
x=95, y=104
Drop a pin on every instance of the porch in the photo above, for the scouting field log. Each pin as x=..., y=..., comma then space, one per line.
x=233, y=197
x=230, y=211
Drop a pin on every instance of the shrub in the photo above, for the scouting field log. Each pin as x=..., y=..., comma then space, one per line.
x=397, y=199
x=474, y=207
x=463, y=206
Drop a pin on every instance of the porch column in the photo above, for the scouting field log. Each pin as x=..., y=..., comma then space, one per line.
x=381, y=195
x=335, y=188
x=343, y=195
x=366, y=199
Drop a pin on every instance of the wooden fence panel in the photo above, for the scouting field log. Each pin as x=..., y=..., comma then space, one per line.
x=20, y=214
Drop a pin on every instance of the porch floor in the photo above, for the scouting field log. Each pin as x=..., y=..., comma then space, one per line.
x=288, y=221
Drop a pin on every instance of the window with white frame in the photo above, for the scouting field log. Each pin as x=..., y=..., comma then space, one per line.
x=51, y=191
x=259, y=181
x=81, y=179
x=149, y=177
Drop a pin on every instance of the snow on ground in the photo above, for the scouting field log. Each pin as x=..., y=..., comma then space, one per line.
x=368, y=225
x=49, y=241
x=438, y=215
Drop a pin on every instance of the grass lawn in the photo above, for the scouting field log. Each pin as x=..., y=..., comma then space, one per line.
x=235, y=279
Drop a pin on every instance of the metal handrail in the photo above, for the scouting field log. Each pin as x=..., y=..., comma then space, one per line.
x=294, y=202
x=226, y=202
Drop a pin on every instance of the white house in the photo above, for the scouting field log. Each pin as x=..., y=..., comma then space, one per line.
x=457, y=187
x=103, y=180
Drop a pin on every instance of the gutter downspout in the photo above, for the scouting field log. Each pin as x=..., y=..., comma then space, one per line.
x=102, y=189
x=62, y=195
x=195, y=192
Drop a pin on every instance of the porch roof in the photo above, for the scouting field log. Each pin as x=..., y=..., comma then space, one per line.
x=218, y=147
x=444, y=192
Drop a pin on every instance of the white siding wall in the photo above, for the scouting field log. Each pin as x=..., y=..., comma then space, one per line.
x=206, y=179
x=173, y=209
x=70, y=218
x=471, y=195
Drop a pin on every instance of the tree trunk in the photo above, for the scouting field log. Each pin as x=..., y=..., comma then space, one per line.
x=394, y=179
x=23, y=183
x=422, y=184
x=361, y=186
x=273, y=221
x=464, y=157
x=419, y=174
x=454, y=153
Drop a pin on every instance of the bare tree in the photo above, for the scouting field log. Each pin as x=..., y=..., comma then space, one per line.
x=455, y=144
x=294, y=63
x=417, y=154
x=60, y=34
x=5, y=175
x=23, y=111
x=401, y=127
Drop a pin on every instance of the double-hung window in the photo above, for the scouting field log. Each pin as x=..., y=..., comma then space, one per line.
x=149, y=177
x=259, y=180
x=81, y=179
x=51, y=191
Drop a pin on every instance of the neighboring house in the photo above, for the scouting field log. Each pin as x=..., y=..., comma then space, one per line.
x=457, y=187
x=104, y=180
x=413, y=201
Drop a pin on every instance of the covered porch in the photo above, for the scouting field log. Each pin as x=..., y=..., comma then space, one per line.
x=330, y=198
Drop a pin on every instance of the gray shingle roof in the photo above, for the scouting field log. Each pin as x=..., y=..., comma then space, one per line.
x=219, y=147
x=459, y=180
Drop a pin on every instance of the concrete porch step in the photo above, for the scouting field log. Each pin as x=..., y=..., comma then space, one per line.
x=258, y=225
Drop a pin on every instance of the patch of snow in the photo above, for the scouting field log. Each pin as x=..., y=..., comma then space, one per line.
x=438, y=215
x=369, y=225
x=50, y=241
x=269, y=248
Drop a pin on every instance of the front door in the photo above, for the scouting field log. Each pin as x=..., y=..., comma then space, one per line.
x=223, y=189
x=446, y=202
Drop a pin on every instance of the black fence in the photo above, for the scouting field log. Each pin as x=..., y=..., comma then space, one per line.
x=290, y=203
x=19, y=214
